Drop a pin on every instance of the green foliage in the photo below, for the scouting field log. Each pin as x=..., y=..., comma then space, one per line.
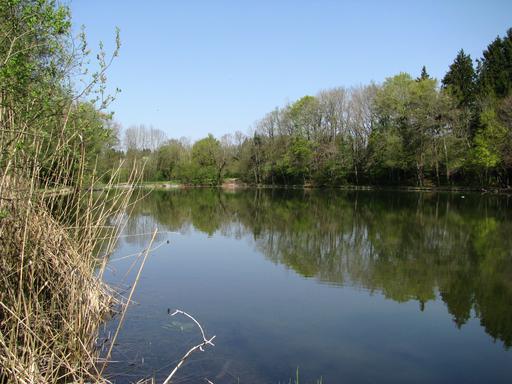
x=206, y=151
x=410, y=119
x=460, y=80
x=495, y=70
x=207, y=161
x=387, y=154
x=195, y=174
x=297, y=159
x=39, y=68
x=304, y=116
x=168, y=158
x=424, y=74
x=487, y=142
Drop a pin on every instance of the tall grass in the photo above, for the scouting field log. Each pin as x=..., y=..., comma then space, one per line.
x=54, y=250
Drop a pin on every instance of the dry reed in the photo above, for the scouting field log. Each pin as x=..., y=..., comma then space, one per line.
x=52, y=298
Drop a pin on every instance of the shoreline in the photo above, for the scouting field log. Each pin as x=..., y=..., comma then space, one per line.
x=238, y=186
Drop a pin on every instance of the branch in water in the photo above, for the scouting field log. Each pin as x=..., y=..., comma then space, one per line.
x=206, y=341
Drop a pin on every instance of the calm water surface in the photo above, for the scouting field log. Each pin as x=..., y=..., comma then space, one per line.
x=350, y=287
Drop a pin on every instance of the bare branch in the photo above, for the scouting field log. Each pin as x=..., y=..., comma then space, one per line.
x=206, y=341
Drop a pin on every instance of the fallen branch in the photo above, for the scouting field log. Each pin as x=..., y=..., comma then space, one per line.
x=206, y=341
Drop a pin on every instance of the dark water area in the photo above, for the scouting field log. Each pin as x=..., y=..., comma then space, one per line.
x=347, y=287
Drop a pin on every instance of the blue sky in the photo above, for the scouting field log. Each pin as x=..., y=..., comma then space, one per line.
x=196, y=67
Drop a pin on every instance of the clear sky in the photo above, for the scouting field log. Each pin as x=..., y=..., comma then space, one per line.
x=193, y=67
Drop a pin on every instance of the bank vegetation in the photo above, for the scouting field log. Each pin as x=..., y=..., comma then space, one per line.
x=53, y=132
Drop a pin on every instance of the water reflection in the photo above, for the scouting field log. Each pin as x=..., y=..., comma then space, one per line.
x=408, y=246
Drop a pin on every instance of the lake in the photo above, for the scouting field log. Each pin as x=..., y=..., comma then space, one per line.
x=341, y=286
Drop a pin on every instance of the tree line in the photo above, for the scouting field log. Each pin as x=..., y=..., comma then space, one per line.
x=405, y=131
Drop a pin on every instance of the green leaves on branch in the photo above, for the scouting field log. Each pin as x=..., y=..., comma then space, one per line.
x=51, y=126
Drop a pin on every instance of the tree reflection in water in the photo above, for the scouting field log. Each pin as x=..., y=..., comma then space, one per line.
x=409, y=246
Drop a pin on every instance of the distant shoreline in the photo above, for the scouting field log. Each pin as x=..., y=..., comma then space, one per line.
x=239, y=185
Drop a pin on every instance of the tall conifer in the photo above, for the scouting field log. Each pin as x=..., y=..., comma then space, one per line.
x=460, y=79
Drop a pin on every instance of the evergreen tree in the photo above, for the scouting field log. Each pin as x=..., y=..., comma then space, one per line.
x=424, y=75
x=459, y=81
x=495, y=70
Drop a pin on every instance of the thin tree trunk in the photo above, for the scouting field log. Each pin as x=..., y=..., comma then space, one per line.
x=446, y=161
